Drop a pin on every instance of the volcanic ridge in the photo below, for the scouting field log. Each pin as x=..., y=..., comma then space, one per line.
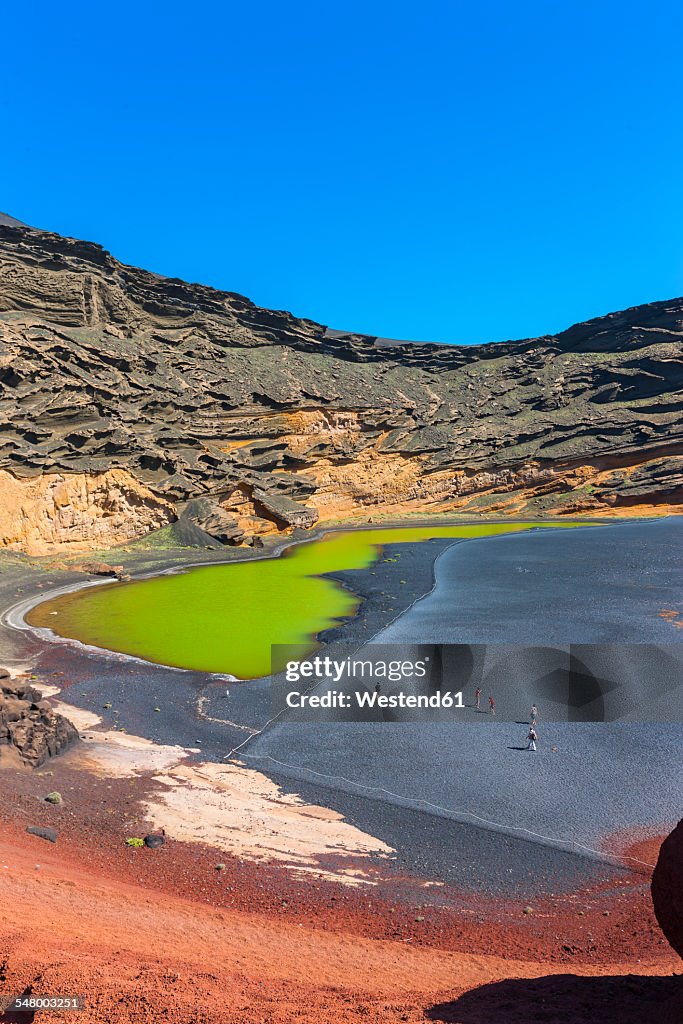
x=130, y=402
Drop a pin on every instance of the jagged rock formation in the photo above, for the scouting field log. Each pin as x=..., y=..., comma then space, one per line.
x=667, y=888
x=28, y=725
x=271, y=422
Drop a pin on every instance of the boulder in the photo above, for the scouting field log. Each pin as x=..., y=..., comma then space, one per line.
x=212, y=519
x=283, y=510
x=43, y=832
x=154, y=841
x=101, y=569
x=667, y=888
x=30, y=725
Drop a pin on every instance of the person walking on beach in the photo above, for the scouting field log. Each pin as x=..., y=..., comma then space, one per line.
x=477, y=698
x=531, y=738
x=534, y=714
x=492, y=706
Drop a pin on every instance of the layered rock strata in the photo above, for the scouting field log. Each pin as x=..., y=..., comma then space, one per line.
x=129, y=401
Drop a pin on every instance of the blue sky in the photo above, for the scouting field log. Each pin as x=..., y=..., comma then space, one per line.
x=444, y=171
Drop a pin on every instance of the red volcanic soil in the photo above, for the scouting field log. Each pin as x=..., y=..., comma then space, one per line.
x=161, y=935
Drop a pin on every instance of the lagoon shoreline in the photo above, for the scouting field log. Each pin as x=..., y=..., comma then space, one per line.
x=150, y=565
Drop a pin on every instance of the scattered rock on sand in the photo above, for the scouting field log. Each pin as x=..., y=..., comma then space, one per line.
x=154, y=840
x=54, y=798
x=43, y=832
x=667, y=888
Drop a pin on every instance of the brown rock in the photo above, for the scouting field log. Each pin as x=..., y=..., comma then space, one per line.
x=100, y=569
x=29, y=725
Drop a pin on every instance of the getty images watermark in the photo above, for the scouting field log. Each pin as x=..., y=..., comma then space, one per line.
x=367, y=677
x=475, y=682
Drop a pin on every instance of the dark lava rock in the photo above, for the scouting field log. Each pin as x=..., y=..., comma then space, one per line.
x=213, y=520
x=667, y=888
x=43, y=832
x=30, y=725
x=153, y=841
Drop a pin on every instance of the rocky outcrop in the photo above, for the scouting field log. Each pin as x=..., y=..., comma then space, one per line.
x=667, y=888
x=273, y=420
x=28, y=725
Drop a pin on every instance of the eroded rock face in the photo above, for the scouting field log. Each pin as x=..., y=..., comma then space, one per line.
x=667, y=888
x=76, y=511
x=275, y=421
x=28, y=724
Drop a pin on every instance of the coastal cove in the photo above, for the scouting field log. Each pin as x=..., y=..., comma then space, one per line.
x=416, y=789
x=224, y=618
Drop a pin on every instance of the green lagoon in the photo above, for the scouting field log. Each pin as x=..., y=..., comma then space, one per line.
x=224, y=618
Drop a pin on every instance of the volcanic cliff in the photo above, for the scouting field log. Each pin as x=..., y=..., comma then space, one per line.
x=130, y=401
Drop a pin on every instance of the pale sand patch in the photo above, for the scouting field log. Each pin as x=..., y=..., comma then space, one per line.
x=243, y=812
x=233, y=808
x=19, y=670
x=79, y=717
x=120, y=756
x=46, y=691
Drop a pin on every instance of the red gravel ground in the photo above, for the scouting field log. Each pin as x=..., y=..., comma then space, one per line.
x=161, y=935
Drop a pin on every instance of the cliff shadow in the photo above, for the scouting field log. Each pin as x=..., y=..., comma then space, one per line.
x=568, y=999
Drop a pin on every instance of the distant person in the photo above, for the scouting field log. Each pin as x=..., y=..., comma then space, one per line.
x=377, y=687
x=534, y=714
x=492, y=706
x=477, y=698
x=531, y=738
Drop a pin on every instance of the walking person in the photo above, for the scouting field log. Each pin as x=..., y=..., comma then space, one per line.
x=534, y=714
x=477, y=698
x=492, y=706
x=532, y=736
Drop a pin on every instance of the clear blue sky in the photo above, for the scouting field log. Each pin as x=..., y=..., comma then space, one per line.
x=447, y=171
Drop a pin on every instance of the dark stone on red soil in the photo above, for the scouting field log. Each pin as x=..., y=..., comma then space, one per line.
x=154, y=841
x=43, y=832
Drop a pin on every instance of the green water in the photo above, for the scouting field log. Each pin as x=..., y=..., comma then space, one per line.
x=224, y=618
